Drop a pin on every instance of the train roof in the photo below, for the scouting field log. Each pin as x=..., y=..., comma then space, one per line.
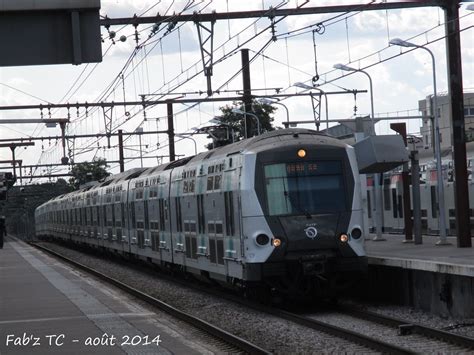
x=257, y=143
x=277, y=136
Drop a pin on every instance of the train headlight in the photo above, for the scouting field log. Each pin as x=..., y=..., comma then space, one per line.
x=276, y=242
x=301, y=153
x=356, y=233
x=343, y=238
x=262, y=239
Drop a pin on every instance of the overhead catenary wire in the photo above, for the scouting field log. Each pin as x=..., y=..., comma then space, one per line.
x=330, y=72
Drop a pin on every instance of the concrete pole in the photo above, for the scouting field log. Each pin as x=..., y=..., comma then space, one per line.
x=439, y=168
x=415, y=180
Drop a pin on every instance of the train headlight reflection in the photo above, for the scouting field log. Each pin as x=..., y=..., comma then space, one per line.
x=343, y=238
x=301, y=153
x=276, y=242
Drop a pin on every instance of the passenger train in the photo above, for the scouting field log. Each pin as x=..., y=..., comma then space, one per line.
x=393, y=217
x=281, y=211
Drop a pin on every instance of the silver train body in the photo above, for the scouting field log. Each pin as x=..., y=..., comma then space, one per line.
x=393, y=214
x=282, y=209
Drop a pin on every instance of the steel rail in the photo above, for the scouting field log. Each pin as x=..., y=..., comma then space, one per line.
x=338, y=332
x=214, y=331
x=406, y=327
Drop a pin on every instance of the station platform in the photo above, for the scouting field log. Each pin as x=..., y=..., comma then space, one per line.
x=47, y=307
x=447, y=259
x=435, y=278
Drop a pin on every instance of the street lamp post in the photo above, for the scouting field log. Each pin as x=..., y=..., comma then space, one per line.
x=186, y=136
x=378, y=178
x=439, y=170
x=240, y=112
x=266, y=101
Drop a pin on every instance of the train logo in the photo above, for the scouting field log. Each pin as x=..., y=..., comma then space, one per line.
x=311, y=232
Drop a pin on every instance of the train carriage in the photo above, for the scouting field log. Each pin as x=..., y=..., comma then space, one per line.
x=280, y=211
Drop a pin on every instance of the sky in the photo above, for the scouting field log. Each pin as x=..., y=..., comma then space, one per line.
x=168, y=65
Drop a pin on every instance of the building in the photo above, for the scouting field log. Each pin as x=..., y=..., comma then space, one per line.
x=445, y=123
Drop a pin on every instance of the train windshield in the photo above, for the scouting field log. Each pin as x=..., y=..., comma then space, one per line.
x=305, y=188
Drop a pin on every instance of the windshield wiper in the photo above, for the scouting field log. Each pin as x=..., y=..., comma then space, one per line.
x=297, y=206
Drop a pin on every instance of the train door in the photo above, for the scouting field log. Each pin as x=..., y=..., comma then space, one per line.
x=387, y=205
x=177, y=227
x=118, y=220
x=165, y=244
x=396, y=189
x=450, y=207
x=433, y=226
x=471, y=202
x=139, y=217
x=370, y=212
x=152, y=236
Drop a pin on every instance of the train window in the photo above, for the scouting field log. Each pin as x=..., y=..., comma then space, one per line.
x=179, y=221
x=369, y=205
x=141, y=238
x=211, y=228
x=161, y=213
x=200, y=213
x=194, y=247
x=132, y=207
x=217, y=182
x=212, y=250
x=434, y=203
x=155, y=241
x=210, y=183
x=219, y=229
x=220, y=251
x=147, y=219
x=112, y=207
x=303, y=188
x=229, y=213
x=424, y=213
x=394, y=202
x=122, y=210
x=386, y=198
x=400, y=206
x=104, y=215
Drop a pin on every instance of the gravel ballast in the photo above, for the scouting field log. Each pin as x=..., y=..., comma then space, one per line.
x=271, y=333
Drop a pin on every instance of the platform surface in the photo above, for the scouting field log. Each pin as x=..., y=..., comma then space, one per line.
x=47, y=307
x=427, y=256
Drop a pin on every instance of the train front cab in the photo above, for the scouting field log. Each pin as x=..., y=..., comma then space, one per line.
x=310, y=200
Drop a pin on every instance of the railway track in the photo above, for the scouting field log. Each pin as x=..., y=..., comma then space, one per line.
x=235, y=343
x=410, y=340
x=405, y=328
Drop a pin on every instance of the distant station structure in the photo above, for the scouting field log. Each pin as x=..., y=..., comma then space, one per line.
x=40, y=32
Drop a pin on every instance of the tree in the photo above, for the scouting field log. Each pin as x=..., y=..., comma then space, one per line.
x=233, y=124
x=89, y=171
